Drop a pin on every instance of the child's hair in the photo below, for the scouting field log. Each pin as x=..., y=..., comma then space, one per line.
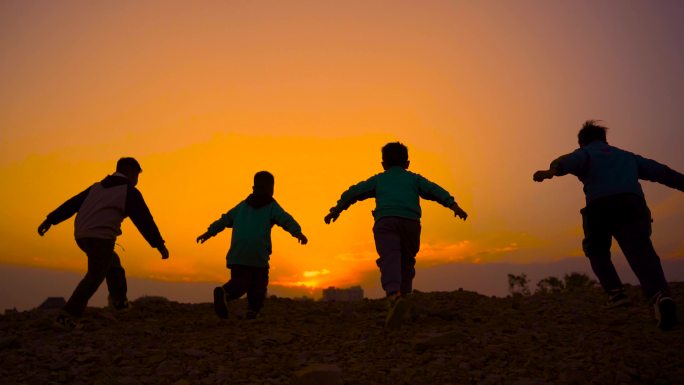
x=590, y=132
x=263, y=178
x=128, y=166
x=394, y=154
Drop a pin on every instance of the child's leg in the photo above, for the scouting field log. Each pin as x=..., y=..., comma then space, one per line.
x=100, y=253
x=239, y=282
x=633, y=234
x=410, y=244
x=116, y=281
x=596, y=245
x=388, y=245
x=256, y=293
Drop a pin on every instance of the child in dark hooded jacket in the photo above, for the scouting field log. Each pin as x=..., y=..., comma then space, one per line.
x=616, y=208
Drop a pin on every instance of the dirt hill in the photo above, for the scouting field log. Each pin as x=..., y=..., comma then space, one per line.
x=452, y=338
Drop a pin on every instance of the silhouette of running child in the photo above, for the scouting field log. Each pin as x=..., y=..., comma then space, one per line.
x=616, y=207
x=250, y=245
x=99, y=210
x=397, y=222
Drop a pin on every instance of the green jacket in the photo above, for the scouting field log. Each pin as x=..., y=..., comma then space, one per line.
x=396, y=192
x=251, y=221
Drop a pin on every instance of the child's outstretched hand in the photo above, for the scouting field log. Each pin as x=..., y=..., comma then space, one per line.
x=541, y=175
x=203, y=238
x=302, y=239
x=44, y=227
x=332, y=216
x=163, y=251
x=458, y=211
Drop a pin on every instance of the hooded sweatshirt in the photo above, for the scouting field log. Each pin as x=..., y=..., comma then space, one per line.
x=396, y=192
x=606, y=170
x=103, y=206
x=251, y=221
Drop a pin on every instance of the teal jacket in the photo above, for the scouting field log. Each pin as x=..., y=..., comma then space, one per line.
x=396, y=192
x=251, y=221
x=606, y=170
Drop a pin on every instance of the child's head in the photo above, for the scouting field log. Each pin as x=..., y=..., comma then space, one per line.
x=591, y=131
x=394, y=154
x=129, y=167
x=263, y=184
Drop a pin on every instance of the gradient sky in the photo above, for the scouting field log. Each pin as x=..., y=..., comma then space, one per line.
x=204, y=94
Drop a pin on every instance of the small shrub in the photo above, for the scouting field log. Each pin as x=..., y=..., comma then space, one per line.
x=577, y=281
x=550, y=285
x=518, y=284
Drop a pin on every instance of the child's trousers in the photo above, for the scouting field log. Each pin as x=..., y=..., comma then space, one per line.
x=627, y=218
x=397, y=241
x=103, y=263
x=250, y=280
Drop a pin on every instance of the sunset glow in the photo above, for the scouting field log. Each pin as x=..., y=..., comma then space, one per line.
x=205, y=94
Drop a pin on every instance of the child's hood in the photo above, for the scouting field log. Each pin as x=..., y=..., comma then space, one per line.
x=114, y=180
x=259, y=201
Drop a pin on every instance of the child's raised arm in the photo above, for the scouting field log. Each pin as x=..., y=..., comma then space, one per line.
x=283, y=219
x=574, y=163
x=226, y=221
x=355, y=193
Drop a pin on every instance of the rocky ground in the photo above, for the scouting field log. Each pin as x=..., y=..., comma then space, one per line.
x=452, y=338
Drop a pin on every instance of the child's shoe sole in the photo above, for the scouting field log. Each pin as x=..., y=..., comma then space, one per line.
x=220, y=306
x=666, y=313
x=65, y=322
x=617, y=303
x=397, y=313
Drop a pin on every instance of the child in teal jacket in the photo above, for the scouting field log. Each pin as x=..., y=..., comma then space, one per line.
x=397, y=213
x=250, y=245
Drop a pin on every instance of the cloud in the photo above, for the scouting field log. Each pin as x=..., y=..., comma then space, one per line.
x=310, y=279
x=315, y=273
x=473, y=251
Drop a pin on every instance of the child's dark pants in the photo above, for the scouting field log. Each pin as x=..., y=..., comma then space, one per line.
x=103, y=263
x=397, y=241
x=627, y=218
x=250, y=280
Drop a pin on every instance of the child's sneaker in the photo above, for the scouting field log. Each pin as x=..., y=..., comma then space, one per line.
x=665, y=312
x=65, y=321
x=220, y=303
x=617, y=298
x=124, y=305
x=399, y=309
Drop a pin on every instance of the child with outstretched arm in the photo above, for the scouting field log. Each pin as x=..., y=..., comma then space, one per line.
x=397, y=213
x=250, y=245
x=616, y=208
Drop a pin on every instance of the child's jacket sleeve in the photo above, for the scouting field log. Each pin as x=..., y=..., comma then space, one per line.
x=281, y=218
x=226, y=221
x=656, y=172
x=434, y=192
x=574, y=163
x=68, y=208
x=140, y=215
x=358, y=192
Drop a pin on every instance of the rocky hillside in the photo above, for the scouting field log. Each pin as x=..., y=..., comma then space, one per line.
x=452, y=338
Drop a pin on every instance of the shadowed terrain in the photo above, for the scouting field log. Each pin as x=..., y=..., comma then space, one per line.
x=452, y=338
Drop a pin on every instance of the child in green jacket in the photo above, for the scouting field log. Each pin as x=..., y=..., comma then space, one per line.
x=250, y=245
x=397, y=221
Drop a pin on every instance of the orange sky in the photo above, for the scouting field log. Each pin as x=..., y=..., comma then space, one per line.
x=204, y=94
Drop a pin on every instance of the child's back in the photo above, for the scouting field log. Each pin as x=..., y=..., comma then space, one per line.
x=396, y=192
x=397, y=213
x=250, y=245
x=251, y=221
